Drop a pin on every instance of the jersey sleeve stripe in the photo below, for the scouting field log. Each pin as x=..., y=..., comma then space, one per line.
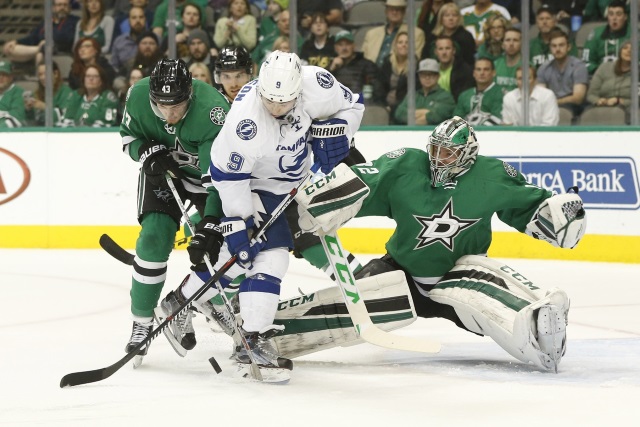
x=218, y=175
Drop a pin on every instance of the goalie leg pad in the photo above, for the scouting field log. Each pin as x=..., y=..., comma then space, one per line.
x=493, y=299
x=320, y=320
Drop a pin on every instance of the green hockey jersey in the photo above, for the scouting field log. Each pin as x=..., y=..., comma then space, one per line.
x=436, y=226
x=101, y=111
x=189, y=140
x=12, y=113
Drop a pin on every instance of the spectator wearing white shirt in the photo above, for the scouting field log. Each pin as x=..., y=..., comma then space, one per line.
x=543, y=106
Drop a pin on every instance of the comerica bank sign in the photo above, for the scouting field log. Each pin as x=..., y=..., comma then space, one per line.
x=603, y=182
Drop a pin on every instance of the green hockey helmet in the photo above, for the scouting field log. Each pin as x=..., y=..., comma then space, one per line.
x=452, y=149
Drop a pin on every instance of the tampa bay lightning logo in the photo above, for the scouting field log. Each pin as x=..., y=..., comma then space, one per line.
x=292, y=166
x=324, y=79
x=247, y=129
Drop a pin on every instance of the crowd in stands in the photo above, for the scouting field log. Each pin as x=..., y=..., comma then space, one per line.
x=468, y=55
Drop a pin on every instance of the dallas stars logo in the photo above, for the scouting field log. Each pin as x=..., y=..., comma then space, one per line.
x=164, y=194
x=442, y=227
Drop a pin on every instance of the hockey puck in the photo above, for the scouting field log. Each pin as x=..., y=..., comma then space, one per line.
x=214, y=365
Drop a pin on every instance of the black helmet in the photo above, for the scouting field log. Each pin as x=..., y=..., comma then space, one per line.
x=233, y=58
x=170, y=82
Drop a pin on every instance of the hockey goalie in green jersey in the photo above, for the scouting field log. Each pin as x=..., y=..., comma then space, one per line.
x=442, y=201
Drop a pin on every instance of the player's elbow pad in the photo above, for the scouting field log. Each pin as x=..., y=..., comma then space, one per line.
x=560, y=220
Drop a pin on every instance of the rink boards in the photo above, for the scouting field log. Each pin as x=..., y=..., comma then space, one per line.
x=63, y=189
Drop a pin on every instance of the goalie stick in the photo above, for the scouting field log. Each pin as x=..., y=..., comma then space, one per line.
x=362, y=322
x=86, y=377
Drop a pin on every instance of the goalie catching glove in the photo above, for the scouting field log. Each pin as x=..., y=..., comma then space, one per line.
x=207, y=240
x=330, y=142
x=560, y=220
x=325, y=205
x=156, y=161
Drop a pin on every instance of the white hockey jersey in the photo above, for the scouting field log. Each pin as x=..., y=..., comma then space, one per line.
x=256, y=152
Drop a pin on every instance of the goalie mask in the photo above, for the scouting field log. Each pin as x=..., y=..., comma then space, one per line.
x=280, y=82
x=452, y=149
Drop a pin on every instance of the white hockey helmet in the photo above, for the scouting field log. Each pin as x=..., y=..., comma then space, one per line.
x=452, y=149
x=280, y=78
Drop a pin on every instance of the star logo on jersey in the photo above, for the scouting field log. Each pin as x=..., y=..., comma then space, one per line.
x=442, y=227
x=171, y=130
x=163, y=194
x=217, y=116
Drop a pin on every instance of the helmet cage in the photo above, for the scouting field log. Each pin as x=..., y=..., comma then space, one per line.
x=452, y=151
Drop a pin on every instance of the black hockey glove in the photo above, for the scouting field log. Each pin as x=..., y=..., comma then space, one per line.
x=207, y=240
x=156, y=161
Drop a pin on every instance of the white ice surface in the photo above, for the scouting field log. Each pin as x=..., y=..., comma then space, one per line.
x=68, y=310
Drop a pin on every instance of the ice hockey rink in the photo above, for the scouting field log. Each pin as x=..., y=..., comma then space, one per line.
x=67, y=310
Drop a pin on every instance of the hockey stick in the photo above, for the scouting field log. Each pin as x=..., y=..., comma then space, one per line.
x=86, y=377
x=255, y=370
x=362, y=323
x=115, y=250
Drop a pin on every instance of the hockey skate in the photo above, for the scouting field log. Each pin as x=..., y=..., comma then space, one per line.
x=139, y=333
x=217, y=316
x=180, y=332
x=273, y=368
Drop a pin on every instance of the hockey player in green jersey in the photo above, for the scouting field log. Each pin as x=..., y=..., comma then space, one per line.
x=442, y=202
x=168, y=125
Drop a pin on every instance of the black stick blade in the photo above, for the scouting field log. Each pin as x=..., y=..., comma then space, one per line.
x=115, y=250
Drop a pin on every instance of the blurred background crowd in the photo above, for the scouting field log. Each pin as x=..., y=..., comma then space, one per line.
x=460, y=57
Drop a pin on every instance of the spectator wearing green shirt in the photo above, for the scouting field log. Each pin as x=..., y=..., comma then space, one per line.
x=494, y=29
x=94, y=104
x=12, y=113
x=35, y=105
x=433, y=104
x=474, y=17
x=539, y=51
x=481, y=105
x=603, y=44
x=507, y=63
x=161, y=15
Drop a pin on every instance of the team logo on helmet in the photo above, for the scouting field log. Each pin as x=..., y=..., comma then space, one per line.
x=395, y=153
x=217, y=116
x=324, y=79
x=247, y=129
x=511, y=171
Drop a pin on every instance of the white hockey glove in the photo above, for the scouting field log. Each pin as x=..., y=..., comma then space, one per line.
x=330, y=202
x=560, y=220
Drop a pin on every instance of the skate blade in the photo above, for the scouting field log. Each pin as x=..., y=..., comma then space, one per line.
x=278, y=376
x=137, y=361
x=158, y=314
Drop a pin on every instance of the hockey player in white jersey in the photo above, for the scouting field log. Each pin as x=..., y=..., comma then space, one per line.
x=276, y=125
